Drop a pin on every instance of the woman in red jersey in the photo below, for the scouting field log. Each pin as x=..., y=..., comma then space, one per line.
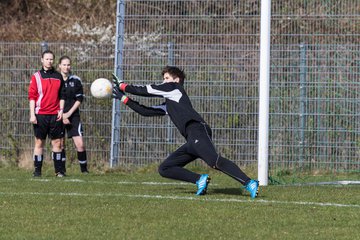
x=46, y=108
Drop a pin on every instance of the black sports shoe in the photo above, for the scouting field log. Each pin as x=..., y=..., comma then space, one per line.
x=83, y=168
x=59, y=174
x=36, y=174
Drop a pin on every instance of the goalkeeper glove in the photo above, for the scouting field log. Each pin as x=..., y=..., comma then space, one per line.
x=118, y=94
x=116, y=80
x=119, y=83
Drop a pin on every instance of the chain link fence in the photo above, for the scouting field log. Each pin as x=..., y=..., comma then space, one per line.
x=314, y=91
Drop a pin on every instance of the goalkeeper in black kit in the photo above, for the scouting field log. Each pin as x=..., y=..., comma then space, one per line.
x=191, y=125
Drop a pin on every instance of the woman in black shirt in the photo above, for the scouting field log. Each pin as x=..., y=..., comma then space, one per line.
x=71, y=117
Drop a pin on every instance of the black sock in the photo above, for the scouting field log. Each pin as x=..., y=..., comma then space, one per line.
x=63, y=161
x=38, y=161
x=56, y=156
x=82, y=160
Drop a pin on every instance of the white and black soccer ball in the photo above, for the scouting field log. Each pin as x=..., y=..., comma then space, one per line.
x=101, y=88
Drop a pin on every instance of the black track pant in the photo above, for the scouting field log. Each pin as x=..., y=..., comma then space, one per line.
x=198, y=145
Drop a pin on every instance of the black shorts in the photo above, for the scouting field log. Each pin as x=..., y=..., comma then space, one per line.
x=74, y=128
x=48, y=126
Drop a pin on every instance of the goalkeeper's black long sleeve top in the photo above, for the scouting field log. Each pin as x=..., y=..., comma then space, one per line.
x=177, y=103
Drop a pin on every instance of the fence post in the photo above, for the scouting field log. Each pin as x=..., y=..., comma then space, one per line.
x=119, y=49
x=171, y=62
x=302, y=101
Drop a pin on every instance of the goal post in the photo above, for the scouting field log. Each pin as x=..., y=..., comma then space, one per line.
x=119, y=49
x=264, y=83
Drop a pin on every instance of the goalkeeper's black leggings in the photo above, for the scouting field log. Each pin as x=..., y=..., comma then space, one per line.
x=199, y=145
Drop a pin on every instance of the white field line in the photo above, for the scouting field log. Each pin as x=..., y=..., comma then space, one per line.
x=122, y=182
x=228, y=200
x=100, y=182
x=234, y=200
x=349, y=182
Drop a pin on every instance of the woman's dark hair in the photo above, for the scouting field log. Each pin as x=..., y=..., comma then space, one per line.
x=64, y=57
x=174, y=72
x=47, y=51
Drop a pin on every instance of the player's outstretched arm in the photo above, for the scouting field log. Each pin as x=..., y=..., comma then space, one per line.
x=135, y=106
x=151, y=90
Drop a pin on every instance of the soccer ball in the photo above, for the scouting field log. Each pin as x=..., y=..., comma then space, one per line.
x=101, y=88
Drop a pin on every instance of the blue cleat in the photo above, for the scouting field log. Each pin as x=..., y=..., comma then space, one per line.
x=202, y=184
x=253, y=188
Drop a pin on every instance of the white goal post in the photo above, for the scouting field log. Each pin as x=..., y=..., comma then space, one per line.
x=264, y=83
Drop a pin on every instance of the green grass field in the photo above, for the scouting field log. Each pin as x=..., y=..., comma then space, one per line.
x=117, y=205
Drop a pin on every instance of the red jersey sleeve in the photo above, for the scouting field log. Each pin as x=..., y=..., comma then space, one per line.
x=33, y=93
